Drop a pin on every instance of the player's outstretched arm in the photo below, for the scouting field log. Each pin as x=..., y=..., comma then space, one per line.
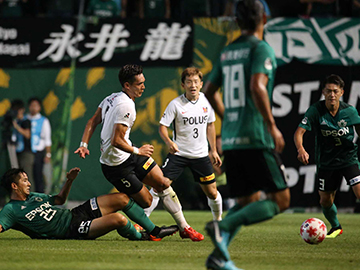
x=303, y=156
x=261, y=100
x=214, y=97
x=64, y=192
x=164, y=134
x=90, y=127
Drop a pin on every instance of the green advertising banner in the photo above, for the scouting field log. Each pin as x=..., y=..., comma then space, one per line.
x=322, y=41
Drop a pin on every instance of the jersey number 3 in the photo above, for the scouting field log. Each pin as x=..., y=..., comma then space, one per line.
x=234, y=88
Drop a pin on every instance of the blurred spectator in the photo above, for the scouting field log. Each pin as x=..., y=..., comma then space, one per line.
x=103, y=8
x=356, y=8
x=60, y=8
x=196, y=8
x=130, y=8
x=217, y=7
x=11, y=8
x=155, y=9
x=321, y=8
x=231, y=6
x=40, y=141
x=21, y=137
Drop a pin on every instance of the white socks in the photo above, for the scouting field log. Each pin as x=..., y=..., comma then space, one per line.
x=216, y=206
x=172, y=205
x=154, y=203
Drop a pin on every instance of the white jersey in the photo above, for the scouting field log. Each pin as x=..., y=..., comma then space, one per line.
x=118, y=108
x=190, y=120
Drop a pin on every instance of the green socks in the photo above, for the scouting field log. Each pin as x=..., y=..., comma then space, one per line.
x=331, y=215
x=129, y=232
x=252, y=213
x=137, y=214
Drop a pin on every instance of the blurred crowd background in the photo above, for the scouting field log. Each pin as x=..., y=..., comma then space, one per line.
x=176, y=9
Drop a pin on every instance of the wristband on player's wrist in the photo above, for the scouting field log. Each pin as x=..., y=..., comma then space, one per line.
x=136, y=150
x=84, y=144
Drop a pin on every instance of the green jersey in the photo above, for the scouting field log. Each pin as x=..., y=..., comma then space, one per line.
x=154, y=8
x=36, y=217
x=334, y=146
x=103, y=9
x=243, y=126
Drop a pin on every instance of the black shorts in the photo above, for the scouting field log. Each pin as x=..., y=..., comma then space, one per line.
x=251, y=170
x=82, y=216
x=330, y=180
x=201, y=168
x=128, y=176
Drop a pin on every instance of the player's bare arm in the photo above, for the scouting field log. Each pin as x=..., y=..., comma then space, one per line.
x=1, y=229
x=164, y=134
x=261, y=99
x=303, y=156
x=214, y=97
x=90, y=127
x=64, y=192
x=118, y=141
x=357, y=129
x=211, y=136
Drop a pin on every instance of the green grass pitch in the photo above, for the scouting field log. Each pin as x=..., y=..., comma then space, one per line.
x=271, y=245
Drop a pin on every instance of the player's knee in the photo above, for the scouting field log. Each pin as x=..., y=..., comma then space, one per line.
x=162, y=184
x=325, y=202
x=145, y=202
x=283, y=205
x=212, y=195
x=119, y=220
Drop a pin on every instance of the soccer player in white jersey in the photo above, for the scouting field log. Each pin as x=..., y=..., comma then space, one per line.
x=193, y=127
x=124, y=165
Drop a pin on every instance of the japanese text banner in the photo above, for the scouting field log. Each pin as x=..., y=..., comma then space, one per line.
x=110, y=42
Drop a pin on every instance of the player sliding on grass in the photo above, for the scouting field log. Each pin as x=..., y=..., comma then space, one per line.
x=250, y=138
x=124, y=165
x=35, y=214
x=336, y=154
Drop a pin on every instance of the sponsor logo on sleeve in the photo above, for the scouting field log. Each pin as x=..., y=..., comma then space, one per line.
x=304, y=121
x=268, y=64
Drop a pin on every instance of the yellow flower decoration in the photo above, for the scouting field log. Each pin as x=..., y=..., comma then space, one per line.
x=78, y=109
x=4, y=79
x=94, y=75
x=4, y=106
x=50, y=102
x=63, y=76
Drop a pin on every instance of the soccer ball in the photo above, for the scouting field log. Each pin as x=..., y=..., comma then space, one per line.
x=313, y=231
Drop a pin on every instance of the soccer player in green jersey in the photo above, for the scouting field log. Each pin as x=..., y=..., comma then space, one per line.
x=35, y=214
x=333, y=122
x=246, y=71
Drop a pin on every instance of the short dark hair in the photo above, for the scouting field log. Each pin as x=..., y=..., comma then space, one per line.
x=17, y=104
x=9, y=177
x=128, y=72
x=34, y=99
x=191, y=71
x=334, y=79
x=249, y=14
